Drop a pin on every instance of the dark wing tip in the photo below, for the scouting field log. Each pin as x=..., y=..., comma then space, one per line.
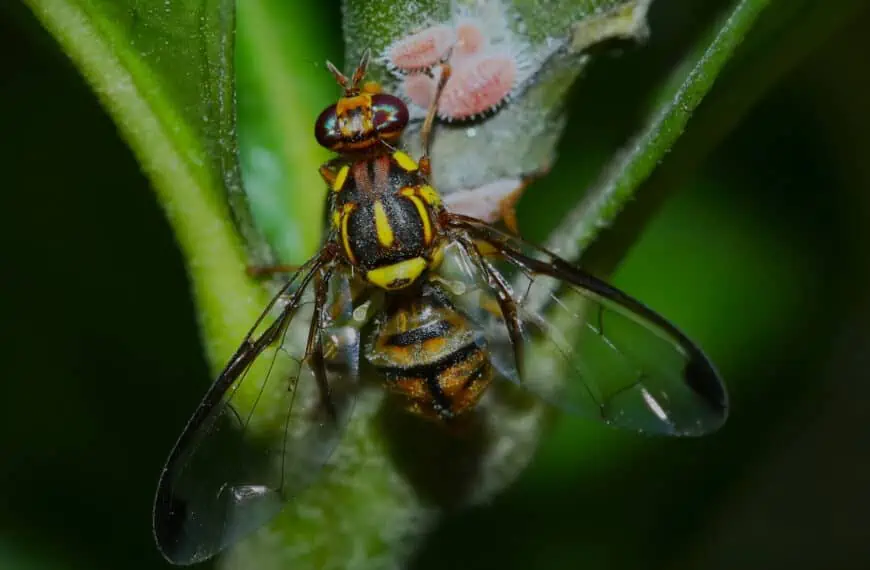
x=170, y=512
x=172, y=527
x=705, y=382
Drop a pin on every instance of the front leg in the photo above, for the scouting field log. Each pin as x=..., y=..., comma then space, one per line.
x=429, y=122
x=329, y=172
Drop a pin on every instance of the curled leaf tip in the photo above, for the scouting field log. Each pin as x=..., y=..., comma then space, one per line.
x=624, y=21
x=513, y=62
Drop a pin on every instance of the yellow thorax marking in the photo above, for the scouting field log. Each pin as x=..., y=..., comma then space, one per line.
x=397, y=275
x=430, y=195
x=340, y=178
x=405, y=161
x=436, y=258
x=411, y=194
x=382, y=225
x=345, y=238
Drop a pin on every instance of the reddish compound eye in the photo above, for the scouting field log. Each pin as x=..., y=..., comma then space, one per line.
x=326, y=129
x=389, y=115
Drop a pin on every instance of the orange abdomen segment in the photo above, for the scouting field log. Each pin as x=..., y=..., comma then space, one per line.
x=432, y=358
x=443, y=389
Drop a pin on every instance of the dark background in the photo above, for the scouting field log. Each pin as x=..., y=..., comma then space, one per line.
x=760, y=254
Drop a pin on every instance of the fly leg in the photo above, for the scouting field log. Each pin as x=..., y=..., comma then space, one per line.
x=429, y=122
x=506, y=303
x=314, y=346
x=507, y=206
x=260, y=271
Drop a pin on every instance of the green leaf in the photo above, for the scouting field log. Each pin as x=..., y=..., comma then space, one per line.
x=283, y=85
x=678, y=99
x=778, y=35
x=163, y=70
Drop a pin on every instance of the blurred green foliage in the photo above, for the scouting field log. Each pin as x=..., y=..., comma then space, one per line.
x=276, y=114
x=759, y=254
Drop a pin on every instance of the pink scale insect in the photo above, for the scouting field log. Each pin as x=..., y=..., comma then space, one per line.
x=482, y=78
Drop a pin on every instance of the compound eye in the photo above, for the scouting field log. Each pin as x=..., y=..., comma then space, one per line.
x=326, y=129
x=389, y=114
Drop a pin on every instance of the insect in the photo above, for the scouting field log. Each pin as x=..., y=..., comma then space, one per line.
x=437, y=308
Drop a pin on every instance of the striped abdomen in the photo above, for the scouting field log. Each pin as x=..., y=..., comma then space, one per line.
x=431, y=356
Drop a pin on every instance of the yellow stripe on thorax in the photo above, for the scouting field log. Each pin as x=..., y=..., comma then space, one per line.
x=340, y=178
x=382, y=225
x=405, y=161
x=345, y=237
x=430, y=195
x=411, y=194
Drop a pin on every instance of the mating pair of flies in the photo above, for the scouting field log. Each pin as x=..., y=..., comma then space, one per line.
x=440, y=308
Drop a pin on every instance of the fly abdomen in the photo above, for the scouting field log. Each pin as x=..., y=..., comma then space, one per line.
x=431, y=357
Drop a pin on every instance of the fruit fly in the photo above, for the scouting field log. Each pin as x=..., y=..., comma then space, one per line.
x=437, y=307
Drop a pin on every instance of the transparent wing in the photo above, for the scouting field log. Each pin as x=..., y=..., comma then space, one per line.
x=268, y=424
x=578, y=342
